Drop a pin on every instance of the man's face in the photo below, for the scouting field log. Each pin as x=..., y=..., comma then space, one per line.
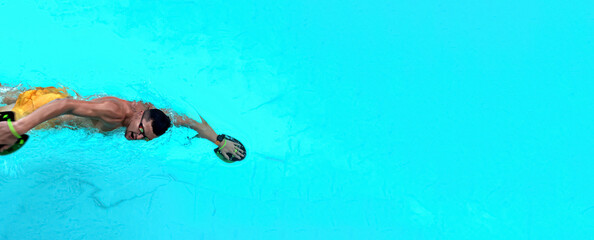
x=140, y=128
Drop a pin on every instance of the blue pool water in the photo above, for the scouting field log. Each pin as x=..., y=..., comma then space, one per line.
x=362, y=120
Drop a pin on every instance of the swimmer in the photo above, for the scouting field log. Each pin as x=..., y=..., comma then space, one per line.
x=50, y=107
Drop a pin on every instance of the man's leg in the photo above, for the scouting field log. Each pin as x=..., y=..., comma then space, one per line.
x=6, y=108
x=8, y=95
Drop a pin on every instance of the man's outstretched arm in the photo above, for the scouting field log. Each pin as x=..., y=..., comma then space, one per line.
x=204, y=130
x=207, y=132
x=107, y=111
x=104, y=110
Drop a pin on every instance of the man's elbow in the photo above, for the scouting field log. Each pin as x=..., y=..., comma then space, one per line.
x=63, y=105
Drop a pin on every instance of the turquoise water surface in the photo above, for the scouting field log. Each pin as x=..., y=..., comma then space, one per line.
x=362, y=120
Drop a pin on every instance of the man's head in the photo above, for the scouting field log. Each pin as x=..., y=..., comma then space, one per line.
x=147, y=125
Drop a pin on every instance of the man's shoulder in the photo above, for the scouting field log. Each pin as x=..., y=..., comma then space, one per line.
x=105, y=107
x=113, y=101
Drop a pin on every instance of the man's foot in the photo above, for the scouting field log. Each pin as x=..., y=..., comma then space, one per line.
x=9, y=100
x=6, y=108
x=9, y=95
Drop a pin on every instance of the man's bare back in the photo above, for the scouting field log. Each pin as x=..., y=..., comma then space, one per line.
x=77, y=122
x=99, y=124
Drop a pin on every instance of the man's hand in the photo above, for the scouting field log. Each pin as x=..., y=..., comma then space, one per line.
x=232, y=148
x=6, y=137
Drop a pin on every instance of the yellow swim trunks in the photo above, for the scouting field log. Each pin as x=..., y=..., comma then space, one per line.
x=31, y=100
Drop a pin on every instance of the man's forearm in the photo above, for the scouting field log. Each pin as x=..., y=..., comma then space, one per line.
x=204, y=130
x=46, y=112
